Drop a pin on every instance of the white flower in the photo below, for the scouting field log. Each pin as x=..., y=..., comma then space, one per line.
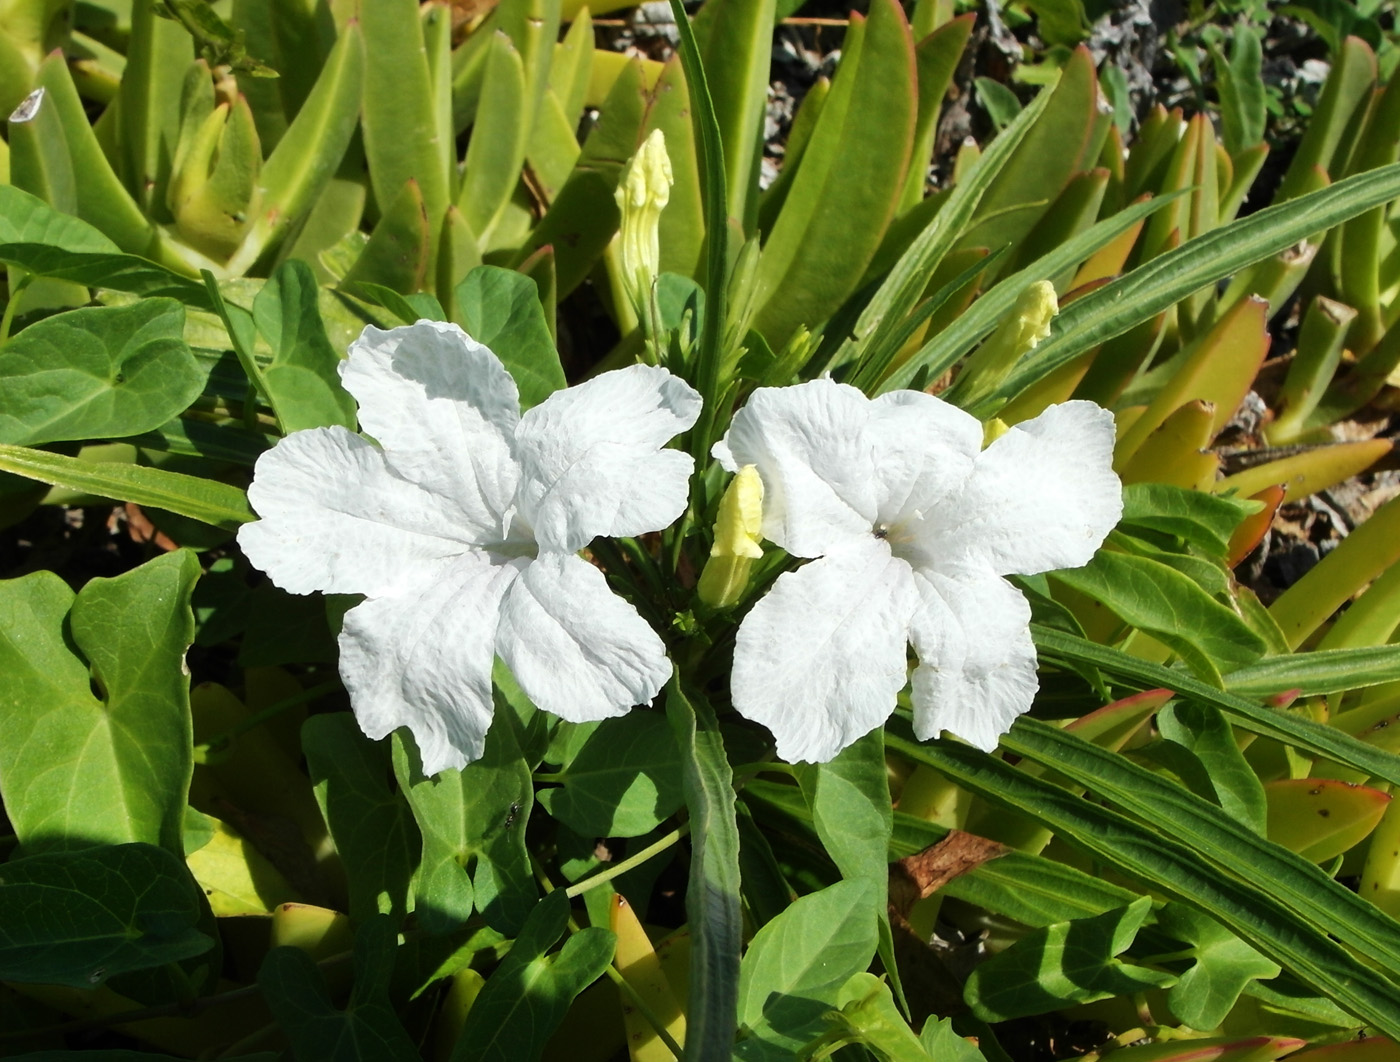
x=912, y=525
x=462, y=533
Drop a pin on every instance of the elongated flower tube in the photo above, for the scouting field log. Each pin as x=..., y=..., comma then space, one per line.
x=910, y=526
x=642, y=193
x=462, y=529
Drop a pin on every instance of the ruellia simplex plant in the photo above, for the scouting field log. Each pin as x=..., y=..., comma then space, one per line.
x=840, y=659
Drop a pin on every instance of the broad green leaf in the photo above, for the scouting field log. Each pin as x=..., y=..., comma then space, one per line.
x=849, y=798
x=523, y=1002
x=28, y=221
x=102, y=372
x=712, y=899
x=1248, y=907
x=303, y=383
x=859, y=153
x=1205, y=521
x=1210, y=763
x=501, y=308
x=106, y=910
x=1065, y=963
x=370, y=823
x=1314, y=738
x=623, y=781
x=1167, y=279
x=1215, y=838
x=95, y=694
x=796, y=965
x=1242, y=96
x=212, y=502
x=1224, y=965
x=943, y=1044
x=1154, y=598
x=473, y=826
x=868, y=1013
x=367, y=1030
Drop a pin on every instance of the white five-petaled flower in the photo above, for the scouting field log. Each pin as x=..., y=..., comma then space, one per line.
x=462, y=527
x=912, y=526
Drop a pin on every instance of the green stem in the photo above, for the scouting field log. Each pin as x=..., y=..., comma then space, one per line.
x=655, y=848
x=9, y=316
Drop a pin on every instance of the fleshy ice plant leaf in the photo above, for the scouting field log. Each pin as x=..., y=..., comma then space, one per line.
x=462, y=533
x=910, y=526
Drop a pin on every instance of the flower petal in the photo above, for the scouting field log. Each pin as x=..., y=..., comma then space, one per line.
x=577, y=649
x=810, y=445
x=335, y=518
x=1043, y=496
x=925, y=449
x=423, y=659
x=821, y=657
x=976, y=670
x=591, y=458
x=445, y=410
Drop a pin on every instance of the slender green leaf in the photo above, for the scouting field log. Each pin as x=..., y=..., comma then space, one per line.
x=943, y=350
x=1215, y=836
x=712, y=901
x=1167, y=279
x=1314, y=738
x=1319, y=672
x=710, y=157
x=201, y=499
x=1249, y=908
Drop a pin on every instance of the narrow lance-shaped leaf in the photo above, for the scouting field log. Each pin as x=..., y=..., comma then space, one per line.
x=1170, y=277
x=712, y=900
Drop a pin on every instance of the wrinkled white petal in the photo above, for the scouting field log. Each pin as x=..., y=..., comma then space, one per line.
x=577, y=649
x=976, y=670
x=810, y=445
x=821, y=657
x=591, y=459
x=422, y=659
x=335, y=518
x=445, y=410
x=925, y=449
x=1041, y=497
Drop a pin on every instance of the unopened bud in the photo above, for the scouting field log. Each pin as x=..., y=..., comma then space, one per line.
x=642, y=193
x=737, y=536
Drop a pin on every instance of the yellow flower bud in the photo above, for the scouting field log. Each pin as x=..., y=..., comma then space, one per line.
x=737, y=535
x=642, y=193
